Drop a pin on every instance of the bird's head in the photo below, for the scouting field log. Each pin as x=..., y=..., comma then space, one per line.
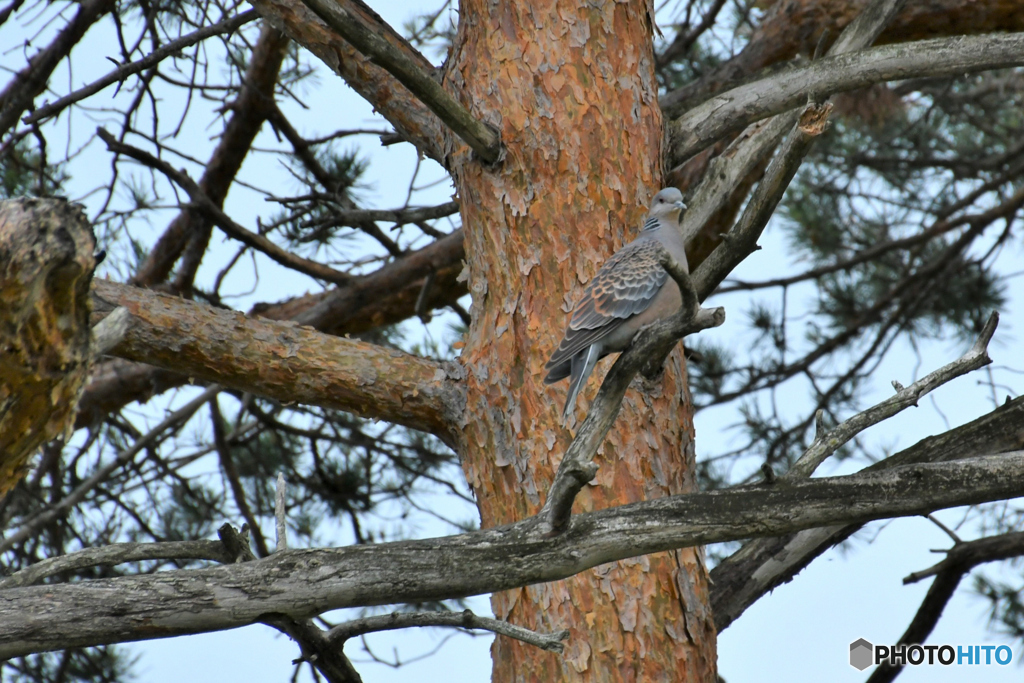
x=667, y=204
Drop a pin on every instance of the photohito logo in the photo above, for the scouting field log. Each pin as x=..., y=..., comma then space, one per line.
x=863, y=654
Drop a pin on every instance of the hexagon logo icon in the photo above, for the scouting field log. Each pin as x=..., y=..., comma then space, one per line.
x=860, y=654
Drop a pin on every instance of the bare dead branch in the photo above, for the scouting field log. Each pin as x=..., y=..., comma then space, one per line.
x=733, y=110
x=114, y=554
x=826, y=444
x=302, y=583
x=552, y=642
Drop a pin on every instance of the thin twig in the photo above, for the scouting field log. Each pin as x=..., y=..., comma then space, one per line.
x=204, y=204
x=124, y=71
x=949, y=532
x=552, y=642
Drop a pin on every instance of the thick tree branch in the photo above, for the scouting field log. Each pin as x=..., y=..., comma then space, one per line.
x=762, y=564
x=302, y=583
x=384, y=297
x=482, y=138
x=552, y=642
x=410, y=117
x=731, y=111
x=284, y=361
x=577, y=467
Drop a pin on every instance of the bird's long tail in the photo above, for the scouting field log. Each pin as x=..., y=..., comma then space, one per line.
x=582, y=365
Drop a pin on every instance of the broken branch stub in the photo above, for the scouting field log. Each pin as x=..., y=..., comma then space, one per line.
x=46, y=265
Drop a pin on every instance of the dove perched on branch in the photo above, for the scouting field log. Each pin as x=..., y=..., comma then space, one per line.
x=630, y=291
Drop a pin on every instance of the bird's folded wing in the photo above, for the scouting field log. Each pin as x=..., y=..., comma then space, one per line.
x=624, y=286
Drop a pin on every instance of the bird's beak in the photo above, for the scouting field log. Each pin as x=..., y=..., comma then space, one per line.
x=680, y=205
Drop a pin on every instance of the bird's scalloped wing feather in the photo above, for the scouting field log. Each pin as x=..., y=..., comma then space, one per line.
x=624, y=286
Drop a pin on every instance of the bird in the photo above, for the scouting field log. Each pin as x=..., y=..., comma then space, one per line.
x=630, y=291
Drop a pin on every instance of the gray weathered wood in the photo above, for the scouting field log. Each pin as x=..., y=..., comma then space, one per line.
x=301, y=583
x=733, y=110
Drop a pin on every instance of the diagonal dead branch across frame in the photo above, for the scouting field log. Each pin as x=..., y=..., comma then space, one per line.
x=482, y=138
x=825, y=445
x=300, y=583
x=577, y=466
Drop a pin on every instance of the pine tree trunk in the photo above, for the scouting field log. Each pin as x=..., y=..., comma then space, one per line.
x=573, y=93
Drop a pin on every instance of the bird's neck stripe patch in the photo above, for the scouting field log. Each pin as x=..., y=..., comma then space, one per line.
x=652, y=223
